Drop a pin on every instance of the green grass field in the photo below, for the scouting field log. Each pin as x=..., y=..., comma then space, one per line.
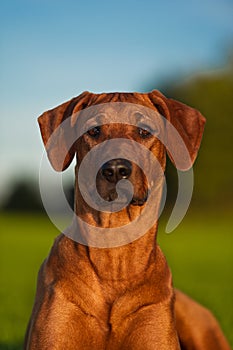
x=199, y=253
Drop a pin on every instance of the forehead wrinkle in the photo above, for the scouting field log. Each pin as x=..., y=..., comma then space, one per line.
x=117, y=130
x=120, y=112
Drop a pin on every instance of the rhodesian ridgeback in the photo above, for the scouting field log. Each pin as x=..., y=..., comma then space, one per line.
x=117, y=296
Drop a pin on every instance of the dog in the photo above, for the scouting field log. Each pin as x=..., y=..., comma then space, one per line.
x=118, y=295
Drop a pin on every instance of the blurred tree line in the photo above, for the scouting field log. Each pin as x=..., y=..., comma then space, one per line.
x=24, y=197
x=212, y=94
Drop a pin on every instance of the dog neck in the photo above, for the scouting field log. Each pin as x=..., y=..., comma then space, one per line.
x=124, y=261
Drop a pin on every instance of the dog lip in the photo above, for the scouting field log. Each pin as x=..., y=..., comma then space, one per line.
x=135, y=201
x=139, y=201
x=112, y=196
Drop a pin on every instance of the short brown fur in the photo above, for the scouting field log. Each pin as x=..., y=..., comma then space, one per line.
x=116, y=298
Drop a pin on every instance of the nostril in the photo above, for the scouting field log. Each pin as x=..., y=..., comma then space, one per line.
x=116, y=169
x=107, y=172
x=124, y=172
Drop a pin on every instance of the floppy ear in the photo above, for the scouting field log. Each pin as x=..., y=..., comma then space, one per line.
x=187, y=121
x=57, y=133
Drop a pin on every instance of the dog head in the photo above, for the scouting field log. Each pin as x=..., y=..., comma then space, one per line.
x=91, y=119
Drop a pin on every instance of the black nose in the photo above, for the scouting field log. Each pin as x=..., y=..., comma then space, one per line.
x=116, y=169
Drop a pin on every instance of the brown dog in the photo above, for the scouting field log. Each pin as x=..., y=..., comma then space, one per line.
x=117, y=297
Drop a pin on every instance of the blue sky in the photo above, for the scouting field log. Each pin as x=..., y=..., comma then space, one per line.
x=52, y=50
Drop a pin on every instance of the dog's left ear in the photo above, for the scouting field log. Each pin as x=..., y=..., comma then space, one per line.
x=57, y=132
x=187, y=121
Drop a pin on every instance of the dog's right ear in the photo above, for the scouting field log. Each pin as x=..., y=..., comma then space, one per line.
x=57, y=133
x=189, y=125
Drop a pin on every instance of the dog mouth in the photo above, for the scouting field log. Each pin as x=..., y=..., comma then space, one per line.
x=139, y=201
x=135, y=201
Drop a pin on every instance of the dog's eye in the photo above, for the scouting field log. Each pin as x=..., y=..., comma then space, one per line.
x=145, y=131
x=94, y=132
